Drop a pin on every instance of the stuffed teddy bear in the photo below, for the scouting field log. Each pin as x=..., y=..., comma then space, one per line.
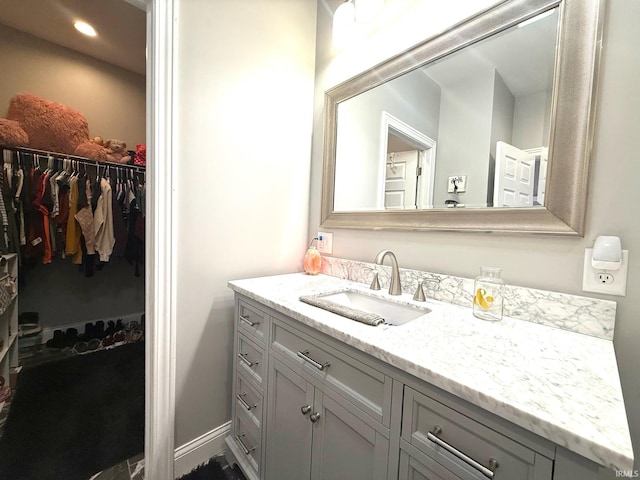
x=42, y=124
x=48, y=125
x=12, y=134
x=117, y=151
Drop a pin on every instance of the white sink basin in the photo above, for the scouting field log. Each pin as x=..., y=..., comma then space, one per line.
x=394, y=313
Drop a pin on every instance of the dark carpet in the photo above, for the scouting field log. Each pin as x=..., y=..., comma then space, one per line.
x=74, y=417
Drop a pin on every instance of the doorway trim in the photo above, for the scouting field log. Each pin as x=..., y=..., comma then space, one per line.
x=423, y=143
x=160, y=263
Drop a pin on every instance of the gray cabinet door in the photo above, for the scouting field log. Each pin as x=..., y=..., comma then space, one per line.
x=345, y=445
x=288, y=428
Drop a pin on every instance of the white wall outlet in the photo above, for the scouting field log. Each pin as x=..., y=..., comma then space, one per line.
x=325, y=242
x=610, y=282
x=460, y=180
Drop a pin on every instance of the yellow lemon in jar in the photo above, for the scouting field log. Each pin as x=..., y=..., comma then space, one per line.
x=481, y=300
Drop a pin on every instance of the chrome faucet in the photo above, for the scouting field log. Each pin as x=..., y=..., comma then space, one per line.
x=395, y=288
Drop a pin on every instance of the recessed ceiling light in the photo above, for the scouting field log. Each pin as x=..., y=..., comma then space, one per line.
x=85, y=28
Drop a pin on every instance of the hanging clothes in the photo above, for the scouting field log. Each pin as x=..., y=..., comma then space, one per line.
x=119, y=225
x=72, y=237
x=103, y=222
x=62, y=211
x=85, y=217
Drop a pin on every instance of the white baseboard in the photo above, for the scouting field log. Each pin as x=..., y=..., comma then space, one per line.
x=200, y=450
x=47, y=332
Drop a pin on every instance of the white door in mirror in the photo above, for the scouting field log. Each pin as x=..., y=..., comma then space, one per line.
x=609, y=282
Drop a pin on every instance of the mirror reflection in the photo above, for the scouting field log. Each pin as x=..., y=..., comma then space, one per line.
x=471, y=129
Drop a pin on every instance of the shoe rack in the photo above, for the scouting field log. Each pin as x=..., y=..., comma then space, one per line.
x=8, y=313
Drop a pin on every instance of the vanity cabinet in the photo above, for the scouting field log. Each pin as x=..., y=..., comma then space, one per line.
x=325, y=417
x=249, y=368
x=460, y=446
x=307, y=406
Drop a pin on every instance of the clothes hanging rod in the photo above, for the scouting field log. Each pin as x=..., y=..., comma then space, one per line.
x=34, y=151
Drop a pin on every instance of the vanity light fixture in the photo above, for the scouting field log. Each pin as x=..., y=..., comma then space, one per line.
x=85, y=28
x=367, y=10
x=344, y=21
x=350, y=12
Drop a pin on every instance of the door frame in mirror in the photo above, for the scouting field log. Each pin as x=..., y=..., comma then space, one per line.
x=572, y=123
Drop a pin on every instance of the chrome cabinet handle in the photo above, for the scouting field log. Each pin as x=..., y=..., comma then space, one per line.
x=243, y=402
x=314, y=417
x=305, y=356
x=243, y=357
x=305, y=409
x=247, y=319
x=246, y=450
x=487, y=472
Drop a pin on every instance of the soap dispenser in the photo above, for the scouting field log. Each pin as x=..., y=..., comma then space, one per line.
x=312, y=259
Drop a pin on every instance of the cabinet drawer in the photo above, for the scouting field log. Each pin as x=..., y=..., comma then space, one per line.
x=252, y=321
x=417, y=466
x=250, y=359
x=247, y=437
x=368, y=389
x=449, y=437
x=249, y=400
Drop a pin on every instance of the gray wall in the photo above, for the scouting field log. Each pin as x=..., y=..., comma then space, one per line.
x=111, y=98
x=465, y=112
x=359, y=134
x=529, y=129
x=62, y=295
x=533, y=261
x=244, y=89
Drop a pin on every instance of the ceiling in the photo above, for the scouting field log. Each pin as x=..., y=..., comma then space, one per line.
x=121, y=27
x=524, y=57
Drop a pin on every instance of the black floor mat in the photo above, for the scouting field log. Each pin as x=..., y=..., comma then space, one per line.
x=75, y=417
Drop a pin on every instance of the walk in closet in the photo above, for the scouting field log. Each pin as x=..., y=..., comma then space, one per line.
x=78, y=226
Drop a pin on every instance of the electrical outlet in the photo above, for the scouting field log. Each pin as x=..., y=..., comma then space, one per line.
x=325, y=242
x=604, y=277
x=610, y=282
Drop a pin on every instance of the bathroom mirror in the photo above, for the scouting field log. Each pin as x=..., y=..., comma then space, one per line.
x=486, y=127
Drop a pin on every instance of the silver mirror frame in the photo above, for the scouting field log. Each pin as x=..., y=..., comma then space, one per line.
x=573, y=116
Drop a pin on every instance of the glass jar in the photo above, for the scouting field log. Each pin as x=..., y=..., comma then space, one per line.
x=488, y=294
x=312, y=261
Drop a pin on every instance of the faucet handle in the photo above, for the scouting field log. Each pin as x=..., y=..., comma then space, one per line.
x=419, y=295
x=375, y=283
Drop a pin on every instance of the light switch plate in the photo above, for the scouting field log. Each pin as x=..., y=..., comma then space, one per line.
x=461, y=181
x=609, y=282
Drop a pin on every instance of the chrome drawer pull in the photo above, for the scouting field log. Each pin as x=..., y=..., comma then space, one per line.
x=246, y=450
x=487, y=472
x=247, y=320
x=314, y=417
x=305, y=409
x=243, y=401
x=243, y=357
x=305, y=356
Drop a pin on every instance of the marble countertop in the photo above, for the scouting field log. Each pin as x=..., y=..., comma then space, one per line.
x=561, y=385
